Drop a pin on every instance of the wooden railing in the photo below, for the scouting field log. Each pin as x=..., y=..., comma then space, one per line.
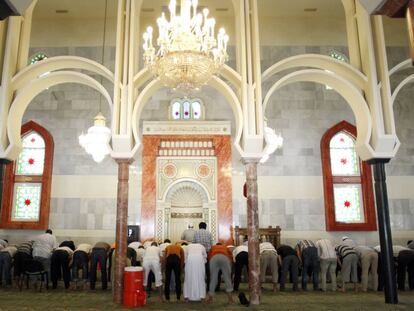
x=269, y=234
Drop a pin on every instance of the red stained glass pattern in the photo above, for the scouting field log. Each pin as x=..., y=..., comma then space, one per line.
x=31, y=159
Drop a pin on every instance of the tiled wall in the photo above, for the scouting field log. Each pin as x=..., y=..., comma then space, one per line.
x=300, y=112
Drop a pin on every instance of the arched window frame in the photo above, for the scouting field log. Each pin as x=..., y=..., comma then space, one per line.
x=190, y=116
x=365, y=179
x=45, y=180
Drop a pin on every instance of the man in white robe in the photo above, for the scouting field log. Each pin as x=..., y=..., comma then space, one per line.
x=194, y=279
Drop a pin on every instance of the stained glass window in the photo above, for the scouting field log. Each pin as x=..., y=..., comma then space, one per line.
x=186, y=109
x=37, y=58
x=196, y=107
x=28, y=181
x=344, y=160
x=348, y=203
x=176, y=110
x=26, y=203
x=32, y=158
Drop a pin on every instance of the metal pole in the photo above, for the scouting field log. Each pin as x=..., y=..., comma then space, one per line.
x=388, y=269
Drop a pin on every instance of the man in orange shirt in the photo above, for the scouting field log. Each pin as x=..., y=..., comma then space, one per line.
x=220, y=259
x=174, y=261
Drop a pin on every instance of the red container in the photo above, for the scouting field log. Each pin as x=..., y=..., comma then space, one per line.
x=134, y=293
x=135, y=299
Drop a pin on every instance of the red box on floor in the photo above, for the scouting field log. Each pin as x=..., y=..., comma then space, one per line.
x=134, y=293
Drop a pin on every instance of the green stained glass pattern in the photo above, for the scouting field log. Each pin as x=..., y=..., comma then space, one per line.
x=344, y=160
x=26, y=201
x=348, y=203
x=31, y=159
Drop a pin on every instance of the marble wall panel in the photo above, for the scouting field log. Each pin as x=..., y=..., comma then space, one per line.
x=301, y=112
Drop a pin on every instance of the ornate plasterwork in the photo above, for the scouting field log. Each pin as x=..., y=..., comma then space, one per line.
x=172, y=169
x=186, y=127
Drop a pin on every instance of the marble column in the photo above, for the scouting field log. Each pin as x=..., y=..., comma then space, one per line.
x=121, y=229
x=253, y=230
x=2, y=169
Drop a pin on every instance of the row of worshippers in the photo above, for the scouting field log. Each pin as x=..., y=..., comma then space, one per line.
x=321, y=256
x=58, y=260
x=311, y=257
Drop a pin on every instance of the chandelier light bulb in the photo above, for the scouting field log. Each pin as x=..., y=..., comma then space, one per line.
x=273, y=141
x=188, y=53
x=96, y=141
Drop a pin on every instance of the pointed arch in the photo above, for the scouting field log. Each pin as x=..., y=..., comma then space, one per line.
x=347, y=182
x=27, y=186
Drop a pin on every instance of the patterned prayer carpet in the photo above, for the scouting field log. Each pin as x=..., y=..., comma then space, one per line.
x=30, y=299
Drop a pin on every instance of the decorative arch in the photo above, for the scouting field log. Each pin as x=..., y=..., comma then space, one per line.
x=19, y=181
x=406, y=81
x=320, y=62
x=32, y=89
x=346, y=179
x=215, y=82
x=347, y=90
x=58, y=63
x=196, y=187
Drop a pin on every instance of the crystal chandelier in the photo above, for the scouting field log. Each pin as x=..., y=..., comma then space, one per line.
x=96, y=141
x=188, y=52
x=273, y=142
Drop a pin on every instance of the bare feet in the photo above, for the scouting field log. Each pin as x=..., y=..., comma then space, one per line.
x=209, y=299
x=230, y=298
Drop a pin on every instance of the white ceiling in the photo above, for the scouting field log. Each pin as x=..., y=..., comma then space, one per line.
x=276, y=8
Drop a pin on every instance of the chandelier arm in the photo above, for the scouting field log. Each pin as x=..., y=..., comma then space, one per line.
x=188, y=53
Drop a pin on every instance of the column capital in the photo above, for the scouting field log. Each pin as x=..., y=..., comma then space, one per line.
x=249, y=160
x=378, y=160
x=124, y=160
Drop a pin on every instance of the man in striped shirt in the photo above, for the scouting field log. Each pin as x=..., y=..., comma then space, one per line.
x=308, y=255
x=328, y=259
x=24, y=252
x=348, y=259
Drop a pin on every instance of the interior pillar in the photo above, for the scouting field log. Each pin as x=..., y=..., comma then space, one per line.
x=121, y=229
x=381, y=196
x=3, y=163
x=253, y=230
